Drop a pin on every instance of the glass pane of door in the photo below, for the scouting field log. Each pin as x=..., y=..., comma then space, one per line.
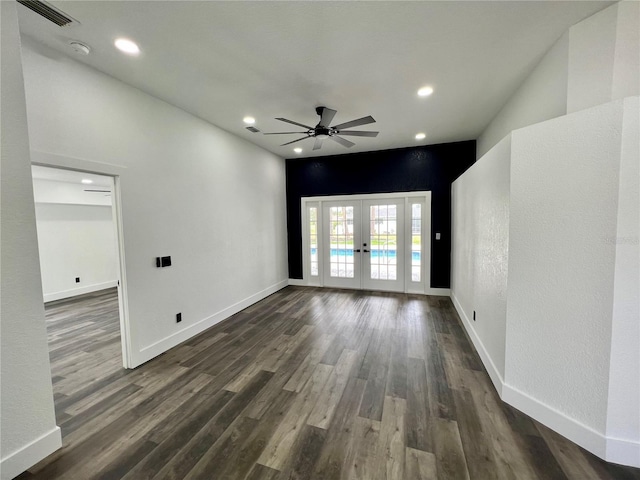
x=313, y=241
x=341, y=225
x=384, y=240
x=383, y=247
x=416, y=242
x=341, y=241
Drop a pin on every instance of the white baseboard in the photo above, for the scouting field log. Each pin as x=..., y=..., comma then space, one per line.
x=575, y=431
x=624, y=452
x=30, y=454
x=297, y=282
x=147, y=353
x=494, y=374
x=614, y=450
x=50, y=297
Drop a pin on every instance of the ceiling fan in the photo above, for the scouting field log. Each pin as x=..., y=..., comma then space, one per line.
x=322, y=130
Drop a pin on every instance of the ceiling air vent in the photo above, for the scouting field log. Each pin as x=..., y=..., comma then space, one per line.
x=253, y=129
x=47, y=11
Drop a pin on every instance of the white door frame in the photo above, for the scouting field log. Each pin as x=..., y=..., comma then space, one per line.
x=123, y=300
x=114, y=171
x=423, y=197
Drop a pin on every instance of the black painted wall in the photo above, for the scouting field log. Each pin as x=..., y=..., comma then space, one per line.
x=432, y=167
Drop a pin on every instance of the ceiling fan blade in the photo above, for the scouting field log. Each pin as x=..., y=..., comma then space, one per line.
x=358, y=133
x=342, y=141
x=318, y=144
x=281, y=133
x=355, y=123
x=327, y=116
x=294, y=123
x=289, y=143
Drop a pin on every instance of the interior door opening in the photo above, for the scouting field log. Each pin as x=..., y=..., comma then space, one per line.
x=79, y=240
x=372, y=242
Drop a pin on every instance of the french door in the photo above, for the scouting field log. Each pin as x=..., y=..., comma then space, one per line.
x=373, y=242
x=383, y=245
x=342, y=253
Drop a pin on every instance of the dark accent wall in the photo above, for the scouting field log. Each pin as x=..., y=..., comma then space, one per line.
x=432, y=167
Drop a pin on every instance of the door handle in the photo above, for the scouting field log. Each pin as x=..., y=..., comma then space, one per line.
x=366, y=251
x=357, y=251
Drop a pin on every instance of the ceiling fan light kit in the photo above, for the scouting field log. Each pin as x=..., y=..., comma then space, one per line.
x=323, y=131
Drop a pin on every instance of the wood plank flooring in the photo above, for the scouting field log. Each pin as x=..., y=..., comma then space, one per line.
x=307, y=384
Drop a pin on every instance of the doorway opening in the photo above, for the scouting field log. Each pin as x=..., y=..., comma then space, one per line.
x=79, y=241
x=370, y=242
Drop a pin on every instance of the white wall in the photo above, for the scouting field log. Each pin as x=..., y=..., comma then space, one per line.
x=212, y=201
x=543, y=95
x=593, y=44
x=572, y=357
x=564, y=196
x=480, y=219
x=596, y=61
x=572, y=332
x=604, y=60
x=28, y=431
x=76, y=238
x=75, y=241
x=623, y=420
x=626, y=66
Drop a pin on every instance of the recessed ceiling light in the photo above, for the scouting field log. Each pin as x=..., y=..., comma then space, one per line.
x=420, y=136
x=86, y=181
x=127, y=46
x=249, y=120
x=425, y=91
x=297, y=150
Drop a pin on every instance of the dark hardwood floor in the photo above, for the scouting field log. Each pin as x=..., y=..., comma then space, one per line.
x=307, y=384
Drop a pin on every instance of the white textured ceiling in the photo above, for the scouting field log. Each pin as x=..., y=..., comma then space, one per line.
x=222, y=61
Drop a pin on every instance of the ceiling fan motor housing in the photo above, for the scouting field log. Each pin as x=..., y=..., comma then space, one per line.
x=323, y=131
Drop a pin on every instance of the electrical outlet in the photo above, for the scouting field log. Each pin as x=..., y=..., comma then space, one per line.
x=178, y=317
x=77, y=279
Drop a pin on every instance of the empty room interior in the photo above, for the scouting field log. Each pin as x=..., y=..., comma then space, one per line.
x=318, y=240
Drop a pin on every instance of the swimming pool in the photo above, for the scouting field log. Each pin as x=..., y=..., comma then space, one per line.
x=375, y=253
